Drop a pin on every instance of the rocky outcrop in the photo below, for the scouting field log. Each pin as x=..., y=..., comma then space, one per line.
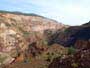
x=71, y=36
x=29, y=22
x=77, y=37
x=82, y=44
x=79, y=60
x=18, y=32
x=25, y=37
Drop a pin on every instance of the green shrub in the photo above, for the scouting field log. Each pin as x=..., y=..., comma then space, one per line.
x=12, y=19
x=8, y=25
x=2, y=59
x=44, y=42
x=74, y=65
x=71, y=50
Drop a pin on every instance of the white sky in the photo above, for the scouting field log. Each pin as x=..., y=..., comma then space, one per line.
x=72, y=12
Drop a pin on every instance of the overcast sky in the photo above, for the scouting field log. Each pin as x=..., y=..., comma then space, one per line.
x=71, y=12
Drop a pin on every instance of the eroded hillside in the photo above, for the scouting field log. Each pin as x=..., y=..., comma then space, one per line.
x=23, y=35
x=33, y=41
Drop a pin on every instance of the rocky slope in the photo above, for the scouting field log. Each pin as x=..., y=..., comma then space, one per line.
x=33, y=41
x=76, y=36
x=20, y=32
x=79, y=60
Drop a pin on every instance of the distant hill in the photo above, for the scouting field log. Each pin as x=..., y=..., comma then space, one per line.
x=23, y=31
x=71, y=35
x=19, y=13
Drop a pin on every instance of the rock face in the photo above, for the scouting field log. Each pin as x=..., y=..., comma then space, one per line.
x=82, y=44
x=25, y=37
x=79, y=60
x=72, y=36
x=19, y=30
x=29, y=22
x=79, y=38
